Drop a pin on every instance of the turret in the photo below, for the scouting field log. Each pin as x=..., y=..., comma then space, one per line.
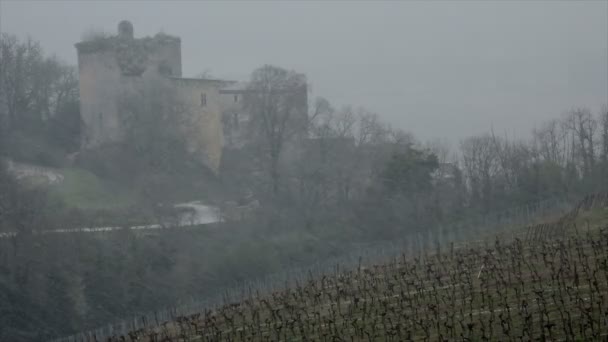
x=125, y=30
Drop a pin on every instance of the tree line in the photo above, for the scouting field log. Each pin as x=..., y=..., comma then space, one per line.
x=39, y=108
x=349, y=165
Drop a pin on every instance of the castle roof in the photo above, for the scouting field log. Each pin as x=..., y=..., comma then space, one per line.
x=235, y=88
x=218, y=82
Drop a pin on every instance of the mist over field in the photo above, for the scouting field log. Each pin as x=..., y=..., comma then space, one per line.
x=280, y=171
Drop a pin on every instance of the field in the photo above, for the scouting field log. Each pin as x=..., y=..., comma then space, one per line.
x=550, y=282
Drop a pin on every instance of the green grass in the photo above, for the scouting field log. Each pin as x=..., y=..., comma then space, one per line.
x=84, y=190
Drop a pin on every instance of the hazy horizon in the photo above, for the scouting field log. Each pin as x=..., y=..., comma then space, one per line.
x=437, y=69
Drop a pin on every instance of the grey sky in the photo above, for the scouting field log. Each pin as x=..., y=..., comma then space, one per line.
x=437, y=69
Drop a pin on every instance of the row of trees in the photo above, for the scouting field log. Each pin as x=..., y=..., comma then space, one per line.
x=349, y=164
x=39, y=108
x=564, y=156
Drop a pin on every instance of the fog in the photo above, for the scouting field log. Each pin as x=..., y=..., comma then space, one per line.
x=303, y=171
x=437, y=69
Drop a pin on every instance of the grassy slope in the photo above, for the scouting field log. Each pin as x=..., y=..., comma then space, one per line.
x=82, y=189
x=553, y=288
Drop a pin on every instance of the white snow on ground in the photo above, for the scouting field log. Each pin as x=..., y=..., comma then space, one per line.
x=24, y=170
x=198, y=213
x=195, y=213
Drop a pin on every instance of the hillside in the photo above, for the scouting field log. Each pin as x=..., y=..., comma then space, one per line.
x=549, y=282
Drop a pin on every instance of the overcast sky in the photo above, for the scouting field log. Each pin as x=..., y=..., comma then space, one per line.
x=437, y=69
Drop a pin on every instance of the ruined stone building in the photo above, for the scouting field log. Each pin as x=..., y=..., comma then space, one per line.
x=110, y=67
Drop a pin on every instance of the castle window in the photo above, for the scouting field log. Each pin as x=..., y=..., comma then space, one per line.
x=236, y=98
x=203, y=100
x=235, y=120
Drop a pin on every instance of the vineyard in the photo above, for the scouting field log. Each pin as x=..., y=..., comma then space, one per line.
x=548, y=283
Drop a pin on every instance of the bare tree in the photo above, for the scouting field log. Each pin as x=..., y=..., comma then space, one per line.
x=603, y=124
x=442, y=150
x=34, y=89
x=603, y=120
x=370, y=130
x=34, y=86
x=276, y=100
x=480, y=167
x=552, y=143
x=20, y=63
x=582, y=126
x=330, y=152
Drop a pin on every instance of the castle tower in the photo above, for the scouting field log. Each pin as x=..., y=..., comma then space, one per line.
x=112, y=66
x=125, y=30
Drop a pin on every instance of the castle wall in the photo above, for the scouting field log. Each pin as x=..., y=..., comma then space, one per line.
x=206, y=136
x=104, y=80
x=101, y=84
x=234, y=118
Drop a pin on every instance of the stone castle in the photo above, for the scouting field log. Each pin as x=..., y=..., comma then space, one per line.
x=110, y=67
